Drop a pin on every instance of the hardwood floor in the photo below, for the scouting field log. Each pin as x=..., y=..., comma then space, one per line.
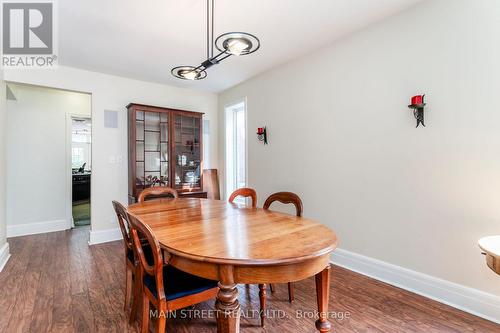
x=56, y=283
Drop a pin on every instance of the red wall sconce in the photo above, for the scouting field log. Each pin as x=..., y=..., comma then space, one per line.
x=417, y=105
x=262, y=134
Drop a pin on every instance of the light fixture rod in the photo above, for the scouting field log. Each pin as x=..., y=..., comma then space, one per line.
x=226, y=56
x=211, y=61
x=210, y=28
x=221, y=53
x=213, y=15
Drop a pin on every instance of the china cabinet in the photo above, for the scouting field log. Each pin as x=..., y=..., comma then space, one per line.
x=165, y=149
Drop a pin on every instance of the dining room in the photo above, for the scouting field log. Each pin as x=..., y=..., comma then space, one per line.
x=257, y=166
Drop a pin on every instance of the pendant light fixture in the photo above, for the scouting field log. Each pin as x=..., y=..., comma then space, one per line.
x=228, y=44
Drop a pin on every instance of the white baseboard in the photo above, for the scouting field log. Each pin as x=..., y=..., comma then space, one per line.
x=104, y=236
x=4, y=255
x=36, y=228
x=458, y=296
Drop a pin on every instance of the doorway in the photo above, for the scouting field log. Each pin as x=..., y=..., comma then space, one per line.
x=81, y=169
x=236, y=148
x=39, y=140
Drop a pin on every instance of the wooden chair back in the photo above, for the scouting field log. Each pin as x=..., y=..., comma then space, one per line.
x=244, y=192
x=211, y=184
x=286, y=198
x=121, y=213
x=157, y=192
x=140, y=231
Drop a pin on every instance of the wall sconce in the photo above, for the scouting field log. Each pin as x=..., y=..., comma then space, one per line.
x=262, y=134
x=417, y=105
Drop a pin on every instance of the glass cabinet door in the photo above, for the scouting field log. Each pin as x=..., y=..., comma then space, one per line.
x=151, y=149
x=187, y=152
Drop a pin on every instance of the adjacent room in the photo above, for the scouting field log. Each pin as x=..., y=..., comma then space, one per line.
x=250, y=166
x=81, y=169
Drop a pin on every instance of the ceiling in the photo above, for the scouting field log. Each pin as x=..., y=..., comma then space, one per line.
x=145, y=39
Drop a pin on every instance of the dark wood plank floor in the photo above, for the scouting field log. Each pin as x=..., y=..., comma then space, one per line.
x=56, y=283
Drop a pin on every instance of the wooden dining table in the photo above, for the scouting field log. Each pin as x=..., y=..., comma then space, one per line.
x=235, y=244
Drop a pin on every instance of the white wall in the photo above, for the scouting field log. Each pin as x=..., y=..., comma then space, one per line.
x=4, y=250
x=37, y=156
x=109, y=180
x=342, y=137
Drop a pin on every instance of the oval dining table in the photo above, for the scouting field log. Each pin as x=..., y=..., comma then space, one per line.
x=235, y=244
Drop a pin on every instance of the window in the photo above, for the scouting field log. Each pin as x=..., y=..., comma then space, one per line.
x=81, y=141
x=77, y=157
x=235, y=147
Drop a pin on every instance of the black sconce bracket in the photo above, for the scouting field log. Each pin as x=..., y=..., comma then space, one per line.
x=418, y=111
x=263, y=136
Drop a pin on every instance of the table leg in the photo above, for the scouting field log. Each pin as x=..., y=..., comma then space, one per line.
x=227, y=305
x=322, y=294
x=262, y=297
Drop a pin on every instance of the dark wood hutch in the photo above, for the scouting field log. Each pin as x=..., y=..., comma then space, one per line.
x=165, y=149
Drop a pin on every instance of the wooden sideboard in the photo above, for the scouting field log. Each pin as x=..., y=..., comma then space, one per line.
x=165, y=149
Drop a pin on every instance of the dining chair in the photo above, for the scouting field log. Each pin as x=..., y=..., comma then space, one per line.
x=286, y=198
x=157, y=192
x=250, y=193
x=131, y=264
x=164, y=286
x=244, y=192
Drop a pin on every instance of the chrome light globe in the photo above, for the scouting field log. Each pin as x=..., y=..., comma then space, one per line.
x=188, y=73
x=237, y=43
